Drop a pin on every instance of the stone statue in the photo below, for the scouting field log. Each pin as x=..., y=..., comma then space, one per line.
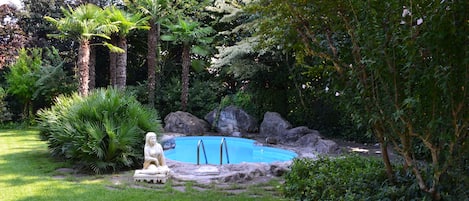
x=154, y=166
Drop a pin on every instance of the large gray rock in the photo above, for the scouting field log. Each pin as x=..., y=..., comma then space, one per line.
x=278, y=130
x=232, y=120
x=186, y=123
x=326, y=146
x=292, y=135
x=315, y=143
x=309, y=140
x=274, y=125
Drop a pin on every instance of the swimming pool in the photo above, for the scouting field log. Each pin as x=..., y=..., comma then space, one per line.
x=239, y=150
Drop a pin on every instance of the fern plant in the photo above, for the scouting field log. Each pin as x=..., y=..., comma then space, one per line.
x=103, y=132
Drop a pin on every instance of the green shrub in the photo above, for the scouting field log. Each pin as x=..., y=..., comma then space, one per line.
x=22, y=78
x=242, y=99
x=102, y=132
x=5, y=114
x=34, y=80
x=203, y=97
x=348, y=178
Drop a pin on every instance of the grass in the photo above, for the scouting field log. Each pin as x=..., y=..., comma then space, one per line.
x=28, y=173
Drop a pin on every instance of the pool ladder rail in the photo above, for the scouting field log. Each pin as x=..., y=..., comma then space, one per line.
x=222, y=144
x=201, y=142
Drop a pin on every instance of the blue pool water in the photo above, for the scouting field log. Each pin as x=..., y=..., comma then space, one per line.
x=239, y=150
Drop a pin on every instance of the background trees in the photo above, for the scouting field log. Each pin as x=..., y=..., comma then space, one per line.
x=81, y=24
x=193, y=37
x=13, y=36
x=155, y=10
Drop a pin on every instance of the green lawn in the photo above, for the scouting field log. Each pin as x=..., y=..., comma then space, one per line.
x=27, y=173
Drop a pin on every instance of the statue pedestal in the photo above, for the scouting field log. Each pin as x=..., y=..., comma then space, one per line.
x=156, y=178
x=152, y=175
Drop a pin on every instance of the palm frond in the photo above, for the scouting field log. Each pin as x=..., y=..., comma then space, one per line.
x=113, y=48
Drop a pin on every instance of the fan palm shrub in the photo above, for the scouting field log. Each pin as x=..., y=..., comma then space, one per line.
x=102, y=132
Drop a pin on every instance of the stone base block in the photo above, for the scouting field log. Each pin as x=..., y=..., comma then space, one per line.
x=156, y=178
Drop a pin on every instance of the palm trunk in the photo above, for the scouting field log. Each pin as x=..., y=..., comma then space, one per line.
x=83, y=67
x=185, y=76
x=151, y=62
x=159, y=68
x=92, y=66
x=121, y=68
x=113, y=63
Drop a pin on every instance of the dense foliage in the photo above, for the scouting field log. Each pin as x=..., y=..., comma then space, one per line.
x=102, y=132
x=354, y=177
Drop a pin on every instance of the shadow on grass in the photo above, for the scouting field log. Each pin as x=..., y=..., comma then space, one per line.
x=26, y=167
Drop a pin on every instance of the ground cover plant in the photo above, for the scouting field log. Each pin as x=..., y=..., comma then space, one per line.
x=354, y=177
x=28, y=173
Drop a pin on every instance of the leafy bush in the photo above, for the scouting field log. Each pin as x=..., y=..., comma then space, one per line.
x=36, y=78
x=23, y=76
x=347, y=178
x=5, y=114
x=101, y=132
x=203, y=97
x=242, y=99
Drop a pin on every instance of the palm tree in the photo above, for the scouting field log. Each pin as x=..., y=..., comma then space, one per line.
x=125, y=22
x=193, y=38
x=82, y=24
x=155, y=10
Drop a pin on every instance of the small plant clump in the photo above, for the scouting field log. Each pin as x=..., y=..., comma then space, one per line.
x=102, y=132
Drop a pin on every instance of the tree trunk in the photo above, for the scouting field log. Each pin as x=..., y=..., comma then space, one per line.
x=121, y=67
x=159, y=68
x=385, y=155
x=151, y=62
x=92, y=66
x=185, y=76
x=113, y=63
x=83, y=67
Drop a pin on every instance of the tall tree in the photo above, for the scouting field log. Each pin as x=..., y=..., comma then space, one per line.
x=193, y=38
x=82, y=24
x=402, y=67
x=12, y=35
x=155, y=10
x=126, y=22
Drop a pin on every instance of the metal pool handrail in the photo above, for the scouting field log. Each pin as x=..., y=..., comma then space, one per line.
x=223, y=142
x=201, y=142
